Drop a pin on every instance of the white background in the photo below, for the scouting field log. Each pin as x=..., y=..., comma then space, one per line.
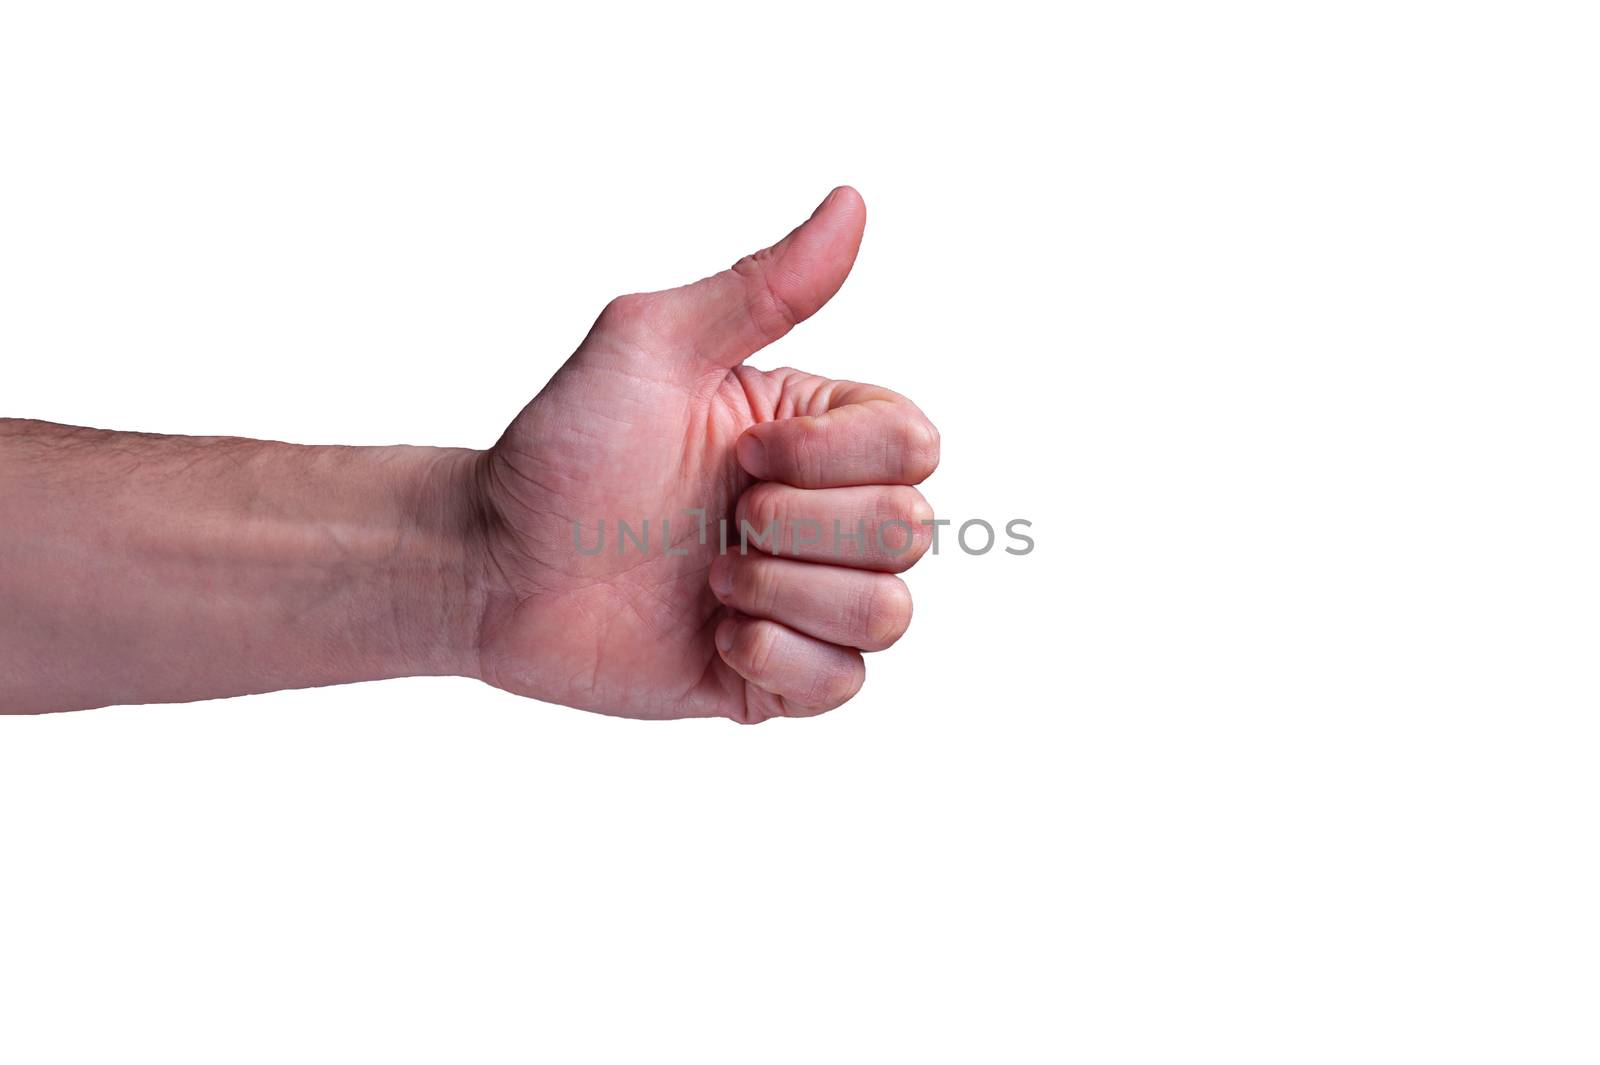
x=1279, y=322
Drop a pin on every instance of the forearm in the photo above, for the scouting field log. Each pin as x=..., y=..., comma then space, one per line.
x=137, y=568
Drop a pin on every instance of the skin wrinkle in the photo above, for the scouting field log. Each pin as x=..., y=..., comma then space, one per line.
x=755, y=269
x=749, y=383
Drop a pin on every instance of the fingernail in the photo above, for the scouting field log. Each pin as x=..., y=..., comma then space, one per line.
x=721, y=576
x=725, y=636
x=753, y=456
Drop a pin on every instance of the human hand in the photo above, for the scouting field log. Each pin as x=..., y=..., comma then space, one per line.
x=144, y=568
x=652, y=417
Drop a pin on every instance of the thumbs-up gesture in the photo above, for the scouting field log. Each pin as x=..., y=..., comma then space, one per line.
x=608, y=501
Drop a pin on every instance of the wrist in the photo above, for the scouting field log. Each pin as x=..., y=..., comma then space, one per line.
x=436, y=585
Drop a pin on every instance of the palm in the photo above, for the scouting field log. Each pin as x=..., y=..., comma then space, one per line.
x=632, y=629
x=641, y=426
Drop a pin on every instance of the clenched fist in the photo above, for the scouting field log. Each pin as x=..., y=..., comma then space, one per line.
x=581, y=560
x=654, y=418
